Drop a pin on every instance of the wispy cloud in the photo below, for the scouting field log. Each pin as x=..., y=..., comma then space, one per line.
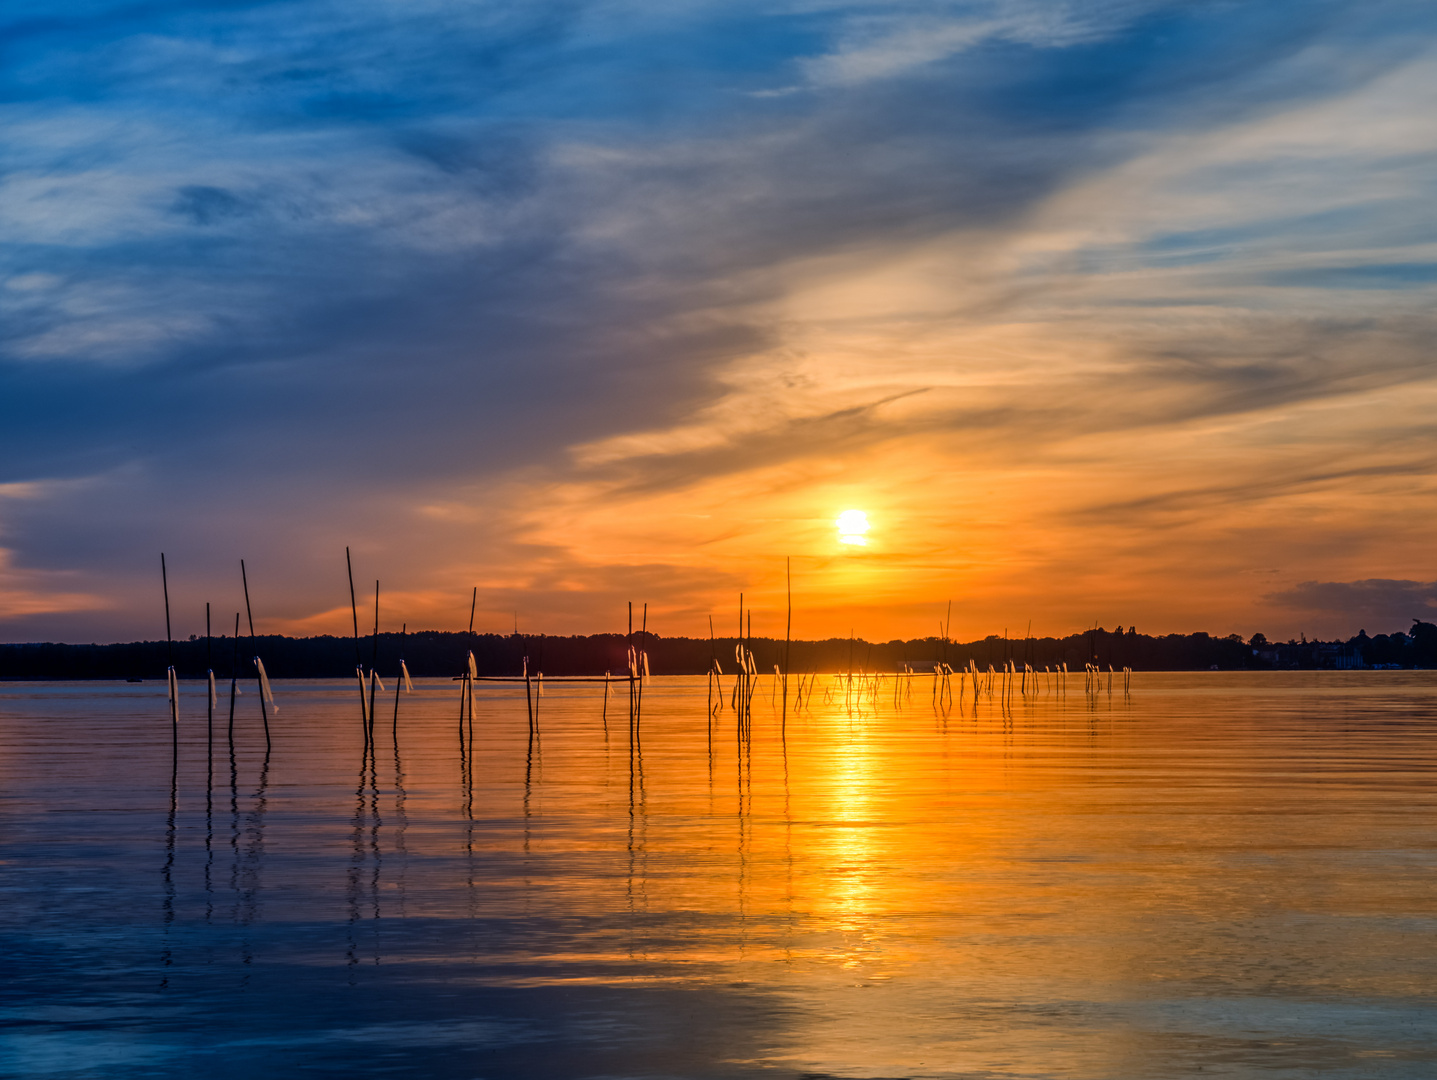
x=873, y=46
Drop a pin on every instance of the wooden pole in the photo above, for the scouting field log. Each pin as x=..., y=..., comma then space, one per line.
x=209, y=697
x=234, y=683
x=639, y=658
x=468, y=675
x=210, y=673
x=749, y=676
x=399, y=681
x=165, y=584
x=374, y=662
x=463, y=690
x=630, y=660
x=353, y=607
x=358, y=662
x=713, y=661
x=787, y=640
x=742, y=672
x=528, y=695
x=263, y=712
x=170, y=680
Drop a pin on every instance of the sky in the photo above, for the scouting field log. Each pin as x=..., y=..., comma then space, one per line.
x=1117, y=312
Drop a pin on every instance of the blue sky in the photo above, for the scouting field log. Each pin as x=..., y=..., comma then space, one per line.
x=1115, y=311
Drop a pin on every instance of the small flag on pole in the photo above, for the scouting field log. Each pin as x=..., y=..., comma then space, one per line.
x=264, y=684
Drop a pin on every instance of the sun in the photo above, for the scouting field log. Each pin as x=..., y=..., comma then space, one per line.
x=852, y=524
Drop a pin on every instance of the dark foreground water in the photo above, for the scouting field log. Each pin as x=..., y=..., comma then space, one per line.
x=1224, y=875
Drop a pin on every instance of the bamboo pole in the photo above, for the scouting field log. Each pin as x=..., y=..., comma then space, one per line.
x=234, y=685
x=713, y=666
x=641, y=660
x=263, y=712
x=463, y=690
x=473, y=670
x=209, y=702
x=210, y=678
x=374, y=662
x=398, y=681
x=947, y=623
x=737, y=699
x=358, y=661
x=750, y=677
x=171, y=681
x=528, y=695
x=629, y=637
x=787, y=639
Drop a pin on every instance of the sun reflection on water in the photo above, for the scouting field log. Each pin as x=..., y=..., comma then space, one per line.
x=851, y=860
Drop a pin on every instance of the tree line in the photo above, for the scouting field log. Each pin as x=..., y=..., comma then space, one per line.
x=438, y=653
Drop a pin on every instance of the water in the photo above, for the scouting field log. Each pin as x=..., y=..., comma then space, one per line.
x=1225, y=875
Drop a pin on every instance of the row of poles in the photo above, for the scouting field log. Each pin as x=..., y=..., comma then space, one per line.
x=1002, y=682
x=369, y=687
x=266, y=695
x=855, y=688
x=746, y=676
x=266, y=702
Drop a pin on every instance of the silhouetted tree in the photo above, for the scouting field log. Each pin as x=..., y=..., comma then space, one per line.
x=1423, y=643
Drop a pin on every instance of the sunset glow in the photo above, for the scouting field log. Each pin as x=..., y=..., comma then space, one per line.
x=1086, y=343
x=852, y=524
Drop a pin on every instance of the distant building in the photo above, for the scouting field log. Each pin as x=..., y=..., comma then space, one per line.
x=1349, y=659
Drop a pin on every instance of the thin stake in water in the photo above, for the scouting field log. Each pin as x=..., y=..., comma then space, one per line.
x=473, y=668
x=630, y=658
x=641, y=663
x=234, y=685
x=170, y=674
x=210, y=711
x=787, y=641
x=401, y=680
x=358, y=663
x=259, y=667
x=374, y=663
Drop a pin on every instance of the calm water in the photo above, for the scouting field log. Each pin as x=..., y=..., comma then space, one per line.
x=1224, y=875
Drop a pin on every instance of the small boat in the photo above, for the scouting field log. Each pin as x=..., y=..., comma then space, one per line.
x=134, y=680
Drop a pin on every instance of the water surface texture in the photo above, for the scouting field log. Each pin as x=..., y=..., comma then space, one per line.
x=1220, y=875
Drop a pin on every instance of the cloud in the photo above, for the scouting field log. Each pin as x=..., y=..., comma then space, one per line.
x=1383, y=604
x=28, y=594
x=205, y=205
x=877, y=46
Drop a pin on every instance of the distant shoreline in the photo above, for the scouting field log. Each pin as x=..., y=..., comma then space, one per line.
x=440, y=653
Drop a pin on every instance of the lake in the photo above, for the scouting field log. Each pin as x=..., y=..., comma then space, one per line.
x=1220, y=874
